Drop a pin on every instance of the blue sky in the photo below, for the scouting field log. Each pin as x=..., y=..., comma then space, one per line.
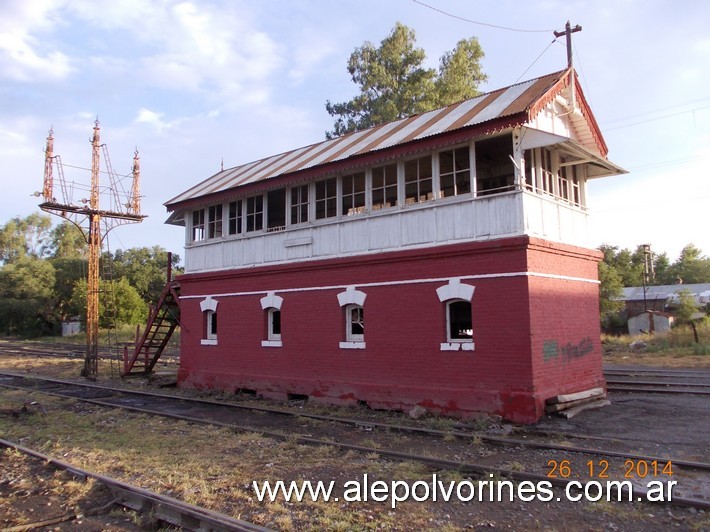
x=192, y=83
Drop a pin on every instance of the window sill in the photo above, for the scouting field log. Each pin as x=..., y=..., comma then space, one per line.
x=208, y=342
x=458, y=346
x=352, y=345
x=271, y=343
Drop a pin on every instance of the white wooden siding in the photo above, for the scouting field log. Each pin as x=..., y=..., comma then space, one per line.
x=435, y=223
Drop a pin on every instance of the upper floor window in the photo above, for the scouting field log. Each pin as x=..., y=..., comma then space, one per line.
x=299, y=204
x=198, y=225
x=547, y=179
x=234, y=225
x=384, y=187
x=454, y=172
x=276, y=210
x=418, y=180
x=494, y=168
x=214, y=221
x=255, y=213
x=326, y=198
x=353, y=198
x=552, y=173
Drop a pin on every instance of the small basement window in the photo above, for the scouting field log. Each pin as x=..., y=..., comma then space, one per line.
x=273, y=324
x=459, y=321
x=209, y=336
x=209, y=321
x=354, y=323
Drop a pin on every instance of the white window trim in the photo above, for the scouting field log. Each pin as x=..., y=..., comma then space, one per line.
x=209, y=306
x=448, y=293
x=348, y=299
x=270, y=303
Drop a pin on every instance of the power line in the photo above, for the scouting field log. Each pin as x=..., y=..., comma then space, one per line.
x=690, y=111
x=623, y=118
x=536, y=59
x=477, y=22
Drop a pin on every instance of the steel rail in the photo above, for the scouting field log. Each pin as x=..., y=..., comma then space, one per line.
x=168, y=509
x=657, y=383
x=440, y=463
x=656, y=388
x=495, y=440
x=437, y=463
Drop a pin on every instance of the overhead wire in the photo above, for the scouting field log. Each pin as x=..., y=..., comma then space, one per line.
x=478, y=22
x=582, y=76
x=536, y=60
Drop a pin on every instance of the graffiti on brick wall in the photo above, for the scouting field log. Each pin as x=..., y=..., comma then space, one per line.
x=551, y=349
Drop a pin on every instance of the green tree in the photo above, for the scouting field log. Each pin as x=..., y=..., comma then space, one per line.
x=394, y=84
x=68, y=273
x=27, y=300
x=21, y=237
x=687, y=311
x=144, y=268
x=626, y=264
x=610, y=292
x=460, y=73
x=119, y=303
x=691, y=267
x=68, y=242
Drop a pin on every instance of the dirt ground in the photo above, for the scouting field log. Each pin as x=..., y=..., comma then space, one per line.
x=664, y=425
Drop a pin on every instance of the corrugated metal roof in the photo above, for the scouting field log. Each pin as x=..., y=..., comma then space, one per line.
x=496, y=105
x=635, y=293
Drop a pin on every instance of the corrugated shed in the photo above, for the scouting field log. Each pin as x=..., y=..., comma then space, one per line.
x=515, y=101
x=664, y=292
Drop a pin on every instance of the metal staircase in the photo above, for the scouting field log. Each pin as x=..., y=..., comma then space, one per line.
x=163, y=319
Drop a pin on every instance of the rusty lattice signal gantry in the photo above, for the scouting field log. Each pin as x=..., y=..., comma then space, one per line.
x=94, y=223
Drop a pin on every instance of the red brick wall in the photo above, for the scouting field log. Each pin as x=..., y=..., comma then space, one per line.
x=515, y=318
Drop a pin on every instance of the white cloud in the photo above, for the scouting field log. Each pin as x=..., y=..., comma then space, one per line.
x=25, y=55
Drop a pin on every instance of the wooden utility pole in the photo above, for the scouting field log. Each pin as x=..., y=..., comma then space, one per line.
x=88, y=217
x=569, y=30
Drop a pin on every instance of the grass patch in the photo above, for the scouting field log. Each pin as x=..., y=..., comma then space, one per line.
x=676, y=348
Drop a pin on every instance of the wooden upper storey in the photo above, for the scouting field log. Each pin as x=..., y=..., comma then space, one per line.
x=524, y=141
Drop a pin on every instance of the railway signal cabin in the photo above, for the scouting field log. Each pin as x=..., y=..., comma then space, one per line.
x=441, y=260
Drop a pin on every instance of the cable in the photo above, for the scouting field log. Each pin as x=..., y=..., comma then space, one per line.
x=587, y=93
x=536, y=60
x=657, y=118
x=479, y=23
x=659, y=110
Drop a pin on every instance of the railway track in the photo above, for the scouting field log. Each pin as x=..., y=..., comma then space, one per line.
x=655, y=380
x=619, y=379
x=159, y=507
x=448, y=450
